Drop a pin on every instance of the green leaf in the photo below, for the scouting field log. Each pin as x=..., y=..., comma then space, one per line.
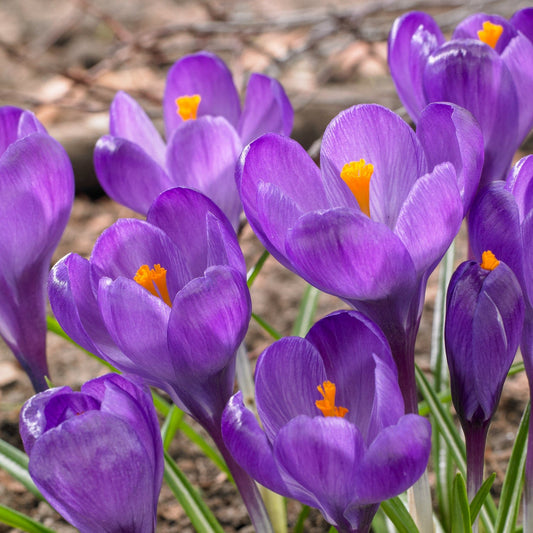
x=480, y=497
x=399, y=515
x=15, y=463
x=254, y=271
x=460, y=509
x=299, y=526
x=171, y=425
x=267, y=327
x=306, y=312
x=202, y=519
x=20, y=521
x=513, y=482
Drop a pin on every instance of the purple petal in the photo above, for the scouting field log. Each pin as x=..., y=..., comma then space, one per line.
x=95, y=473
x=286, y=377
x=202, y=154
x=522, y=20
x=360, y=133
x=137, y=321
x=266, y=109
x=203, y=232
x=394, y=461
x=470, y=74
x=206, y=75
x=128, y=120
x=412, y=38
x=450, y=133
x=318, y=459
x=9, y=121
x=431, y=217
x=358, y=360
x=347, y=254
x=208, y=321
x=128, y=244
x=248, y=444
x=128, y=174
x=469, y=27
x=519, y=183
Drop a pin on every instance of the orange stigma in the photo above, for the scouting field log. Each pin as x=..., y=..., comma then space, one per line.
x=356, y=175
x=188, y=106
x=327, y=404
x=488, y=260
x=155, y=281
x=490, y=33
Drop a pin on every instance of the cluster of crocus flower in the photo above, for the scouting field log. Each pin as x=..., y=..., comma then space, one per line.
x=485, y=68
x=205, y=131
x=96, y=455
x=334, y=434
x=37, y=191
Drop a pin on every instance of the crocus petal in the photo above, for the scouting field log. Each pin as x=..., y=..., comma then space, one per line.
x=208, y=321
x=128, y=120
x=469, y=27
x=28, y=124
x=128, y=244
x=287, y=376
x=347, y=254
x=67, y=465
x=9, y=120
x=360, y=133
x=128, y=174
x=206, y=75
x=266, y=109
x=204, y=233
x=394, y=461
x=248, y=444
x=74, y=305
x=527, y=236
x=450, y=133
x=450, y=75
x=427, y=233
x=412, y=38
x=137, y=321
x=202, y=154
x=519, y=183
x=318, y=459
x=522, y=20
x=350, y=345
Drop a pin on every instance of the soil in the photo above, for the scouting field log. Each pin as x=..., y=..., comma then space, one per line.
x=66, y=62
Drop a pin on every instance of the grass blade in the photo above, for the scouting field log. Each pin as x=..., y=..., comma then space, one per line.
x=20, y=521
x=15, y=463
x=398, y=514
x=306, y=312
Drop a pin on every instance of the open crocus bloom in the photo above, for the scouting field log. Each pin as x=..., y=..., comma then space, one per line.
x=96, y=455
x=36, y=195
x=334, y=434
x=486, y=68
x=372, y=223
x=164, y=299
x=205, y=130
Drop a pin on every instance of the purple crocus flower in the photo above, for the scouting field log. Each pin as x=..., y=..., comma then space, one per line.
x=36, y=195
x=205, y=130
x=96, y=455
x=484, y=317
x=486, y=68
x=375, y=220
x=334, y=434
x=166, y=299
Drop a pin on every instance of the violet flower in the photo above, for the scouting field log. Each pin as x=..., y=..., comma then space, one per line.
x=36, y=195
x=334, y=434
x=166, y=299
x=486, y=68
x=205, y=131
x=376, y=219
x=96, y=455
x=484, y=317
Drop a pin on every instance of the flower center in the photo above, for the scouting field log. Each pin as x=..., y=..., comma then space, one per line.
x=187, y=106
x=356, y=175
x=488, y=260
x=155, y=281
x=327, y=404
x=490, y=33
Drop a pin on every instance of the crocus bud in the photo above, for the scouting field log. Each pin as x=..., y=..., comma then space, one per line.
x=96, y=455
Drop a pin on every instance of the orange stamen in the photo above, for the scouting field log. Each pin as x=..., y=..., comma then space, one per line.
x=356, y=175
x=327, y=404
x=188, y=106
x=155, y=281
x=490, y=33
x=488, y=260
